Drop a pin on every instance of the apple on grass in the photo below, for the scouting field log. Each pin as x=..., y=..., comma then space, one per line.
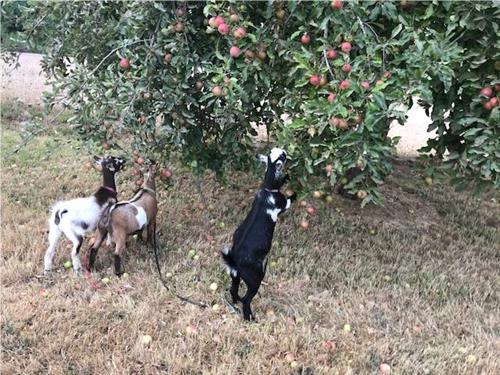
x=146, y=340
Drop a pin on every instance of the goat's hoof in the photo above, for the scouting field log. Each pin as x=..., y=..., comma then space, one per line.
x=77, y=272
x=48, y=272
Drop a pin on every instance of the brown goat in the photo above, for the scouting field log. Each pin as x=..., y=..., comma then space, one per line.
x=125, y=218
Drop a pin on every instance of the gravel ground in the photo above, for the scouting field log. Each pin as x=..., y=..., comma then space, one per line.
x=26, y=83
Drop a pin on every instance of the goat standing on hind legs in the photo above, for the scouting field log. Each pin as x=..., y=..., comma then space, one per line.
x=252, y=240
x=128, y=217
x=79, y=216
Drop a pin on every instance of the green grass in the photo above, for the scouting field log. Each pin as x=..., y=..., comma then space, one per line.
x=417, y=280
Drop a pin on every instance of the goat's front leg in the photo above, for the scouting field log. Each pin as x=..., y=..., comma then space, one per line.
x=100, y=236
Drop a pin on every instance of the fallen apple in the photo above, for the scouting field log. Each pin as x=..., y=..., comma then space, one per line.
x=68, y=264
x=384, y=369
x=146, y=340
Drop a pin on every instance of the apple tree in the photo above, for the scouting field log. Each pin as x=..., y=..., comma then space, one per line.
x=326, y=79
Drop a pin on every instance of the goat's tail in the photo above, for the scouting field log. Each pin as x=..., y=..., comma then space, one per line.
x=228, y=259
x=184, y=299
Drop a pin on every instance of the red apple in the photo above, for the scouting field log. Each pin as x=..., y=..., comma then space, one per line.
x=218, y=21
x=304, y=224
x=223, y=29
x=334, y=121
x=346, y=47
x=217, y=91
x=234, y=51
x=387, y=74
x=494, y=102
x=341, y=124
x=124, y=63
x=487, y=106
x=331, y=97
x=497, y=87
x=305, y=39
x=211, y=22
x=178, y=27
x=240, y=33
x=365, y=85
x=302, y=203
x=487, y=91
x=329, y=345
x=140, y=160
x=168, y=57
x=337, y=4
x=311, y=210
x=346, y=68
x=331, y=54
x=344, y=85
x=329, y=168
x=314, y=80
x=165, y=173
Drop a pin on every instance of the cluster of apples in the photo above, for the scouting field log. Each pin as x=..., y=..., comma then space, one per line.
x=165, y=173
x=490, y=95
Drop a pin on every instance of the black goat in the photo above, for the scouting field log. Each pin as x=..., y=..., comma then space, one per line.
x=252, y=240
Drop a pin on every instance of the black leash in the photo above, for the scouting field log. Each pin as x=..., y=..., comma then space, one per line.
x=184, y=299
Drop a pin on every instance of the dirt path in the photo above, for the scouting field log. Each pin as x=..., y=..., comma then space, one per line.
x=27, y=83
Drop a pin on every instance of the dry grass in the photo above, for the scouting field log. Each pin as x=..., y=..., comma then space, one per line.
x=418, y=281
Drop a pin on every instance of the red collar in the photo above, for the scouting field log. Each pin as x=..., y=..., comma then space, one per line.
x=110, y=189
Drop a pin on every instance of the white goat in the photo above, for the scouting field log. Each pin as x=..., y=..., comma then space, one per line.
x=79, y=216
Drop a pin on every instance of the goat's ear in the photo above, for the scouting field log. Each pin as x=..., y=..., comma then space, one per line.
x=279, y=165
x=261, y=158
x=97, y=160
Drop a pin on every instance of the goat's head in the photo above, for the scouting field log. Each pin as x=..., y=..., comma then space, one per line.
x=149, y=173
x=275, y=163
x=112, y=164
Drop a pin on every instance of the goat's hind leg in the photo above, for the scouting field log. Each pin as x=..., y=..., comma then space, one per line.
x=77, y=240
x=253, y=278
x=235, y=285
x=54, y=234
x=120, y=242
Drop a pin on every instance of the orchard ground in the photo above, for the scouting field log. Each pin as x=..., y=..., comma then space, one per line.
x=414, y=284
